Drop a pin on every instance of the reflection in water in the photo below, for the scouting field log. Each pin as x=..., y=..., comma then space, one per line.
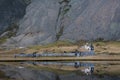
x=76, y=64
x=88, y=67
x=65, y=70
x=88, y=71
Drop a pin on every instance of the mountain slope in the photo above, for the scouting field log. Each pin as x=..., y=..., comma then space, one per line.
x=11, y=11
x=46, y=21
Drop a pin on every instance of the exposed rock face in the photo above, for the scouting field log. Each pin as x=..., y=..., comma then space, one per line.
x=93, y=19
x=46, y=21
x=10, y=12
x=38, y=25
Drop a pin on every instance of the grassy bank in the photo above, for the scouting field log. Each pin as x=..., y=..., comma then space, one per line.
x=109, y=47
x=59, y=46
x=106, y=47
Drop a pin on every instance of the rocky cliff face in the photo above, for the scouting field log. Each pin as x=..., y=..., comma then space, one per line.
x=11, y=11
x=46, y=21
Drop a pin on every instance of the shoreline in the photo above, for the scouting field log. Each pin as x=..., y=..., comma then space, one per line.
x=85, y=58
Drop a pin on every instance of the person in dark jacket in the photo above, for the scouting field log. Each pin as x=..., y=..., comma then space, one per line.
x=92, y=47
x=34, y=54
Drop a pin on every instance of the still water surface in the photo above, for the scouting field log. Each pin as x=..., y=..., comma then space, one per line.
x=87, y=67
x=65, y=70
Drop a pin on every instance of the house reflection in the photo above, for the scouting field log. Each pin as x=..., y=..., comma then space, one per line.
x=75, y=64
x=88, y=67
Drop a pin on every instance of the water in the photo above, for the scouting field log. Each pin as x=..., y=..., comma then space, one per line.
x=65, y=63
x=95, y=67
x=73, y=63
x=65, y=70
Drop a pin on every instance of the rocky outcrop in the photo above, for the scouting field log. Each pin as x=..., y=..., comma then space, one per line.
x=11, y=11
x=47, y=21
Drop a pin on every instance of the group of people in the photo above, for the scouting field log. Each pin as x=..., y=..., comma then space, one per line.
x=89, y=47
